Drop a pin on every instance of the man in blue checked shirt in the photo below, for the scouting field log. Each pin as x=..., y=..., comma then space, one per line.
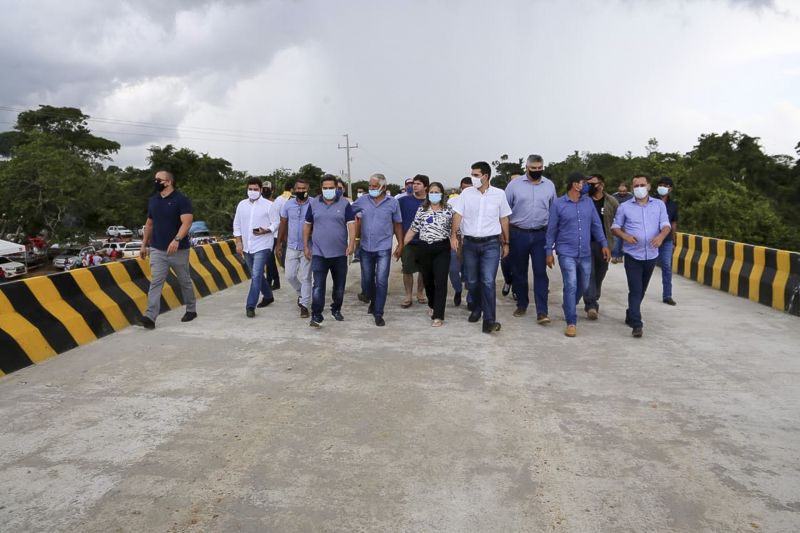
x=643, y=224
x=572, y=225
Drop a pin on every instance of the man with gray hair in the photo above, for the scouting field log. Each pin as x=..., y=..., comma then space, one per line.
x=378, y=218
x=530, y=197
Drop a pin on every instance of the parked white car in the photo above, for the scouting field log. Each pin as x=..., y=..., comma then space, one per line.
x=131, y=249
x=12, y=268
x=118, y=231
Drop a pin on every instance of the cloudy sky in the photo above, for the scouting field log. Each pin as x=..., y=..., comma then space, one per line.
x=421, y=86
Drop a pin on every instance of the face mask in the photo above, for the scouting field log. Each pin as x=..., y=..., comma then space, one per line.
x=663, y=191
x=160, y=186
x=339, y=193
x=535, y=174
x=301, y=195
x=592, y=189
x=375, y=192
x=329, y=194
x=435, y=197
x=359, y=194
x=585, y=188
x=253, y=195
x=267, y=193
x=640, y=192
x=410, y=190
x=476, y=182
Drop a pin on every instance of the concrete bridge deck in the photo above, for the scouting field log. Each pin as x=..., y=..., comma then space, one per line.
x=231, y=424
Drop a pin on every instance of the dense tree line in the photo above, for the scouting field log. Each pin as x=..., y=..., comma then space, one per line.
x=54, y=176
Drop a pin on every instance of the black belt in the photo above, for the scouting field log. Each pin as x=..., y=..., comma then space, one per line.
x=481, y=239
x=529, y=230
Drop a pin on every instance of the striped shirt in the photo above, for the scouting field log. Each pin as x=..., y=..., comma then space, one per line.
x=433, y=226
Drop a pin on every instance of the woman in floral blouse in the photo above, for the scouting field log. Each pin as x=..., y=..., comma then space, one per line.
x=433, y=221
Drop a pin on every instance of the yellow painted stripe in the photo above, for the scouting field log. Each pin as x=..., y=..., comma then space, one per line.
x=758, y=269
x=47, y=294
x=124, y=282
x=110, y=309
x=680, y=238
x=195, y=263
x=781, y=279
x=166, y=291
x=212, y=258
x=687, y=261
x=716, y=280
x=701, y=264
x=24, y=333
x=736, y=268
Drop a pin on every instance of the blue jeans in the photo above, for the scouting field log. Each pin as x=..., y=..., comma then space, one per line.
x=481, y=260
x=616, y=251
x=258, y=281
x=320, y=266
x=456, y=271
x=665, y=262
x=575, y=274
x=522, y=245
x=638, y=274
x=375, y=277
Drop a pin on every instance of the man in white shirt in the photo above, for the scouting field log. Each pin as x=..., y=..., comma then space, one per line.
x=481, y=211
x=253, y=229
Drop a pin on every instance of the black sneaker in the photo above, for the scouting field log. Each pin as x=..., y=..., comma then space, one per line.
x=379, y=321
x=146, y=323
x=265, y=302
x=637, y=332
x=363, y=297
x=506, y=289
x=250, y=312
x=457, y=299
x=520, y=311
x=491, y=327
x=475, y=315
x=275, y=285
x=337, y=315
x=303, y=311
x=669, y=301
x=542, y=318
x=371, y=309
x=470, y=306
x=188, y=316
x=316, y=321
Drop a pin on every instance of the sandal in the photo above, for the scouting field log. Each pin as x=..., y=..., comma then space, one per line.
x=406, y=304
x=430, y=312
x=422, y=300
x=437, y=323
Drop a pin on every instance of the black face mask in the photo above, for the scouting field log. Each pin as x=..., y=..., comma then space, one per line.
x=592, y=189
x=159, y=186
x=535, y=174
x=266, y=193
x=301, y=195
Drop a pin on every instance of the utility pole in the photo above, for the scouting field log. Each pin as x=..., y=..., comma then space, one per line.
x=347, y=147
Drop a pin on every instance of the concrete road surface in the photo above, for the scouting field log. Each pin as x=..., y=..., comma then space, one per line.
x=236, y=424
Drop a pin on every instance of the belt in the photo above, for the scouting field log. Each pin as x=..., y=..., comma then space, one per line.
x=481, y=239
x=529, y=230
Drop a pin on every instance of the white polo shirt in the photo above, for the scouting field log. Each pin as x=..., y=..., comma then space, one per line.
x=481, y=212
x=251, y=215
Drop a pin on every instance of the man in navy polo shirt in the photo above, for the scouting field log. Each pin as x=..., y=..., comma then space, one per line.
x=332, y=221
x=166, y=241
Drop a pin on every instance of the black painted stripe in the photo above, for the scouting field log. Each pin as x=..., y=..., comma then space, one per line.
x=747, y=269
x=72, y=293
x=684, y=240
x=140, y=280
x=26, y=304
x=792, y=283
x=768, y=276
x=109, y=286
x=698, y=244
x=172, y=281
x=199, y=283
x=202, y=256
x=222, y=258
x=708, y=267
x=234, y=256
x=12, y=356
x=727, y=264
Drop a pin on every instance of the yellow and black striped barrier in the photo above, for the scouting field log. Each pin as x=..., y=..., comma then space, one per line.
x=765, y=275
x=47, y=315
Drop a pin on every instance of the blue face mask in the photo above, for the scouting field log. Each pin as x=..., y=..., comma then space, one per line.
x=585, y=189
x=409, y=190
x=435, y=197
x=339, y=193
x=329, y=194
x=374, y=192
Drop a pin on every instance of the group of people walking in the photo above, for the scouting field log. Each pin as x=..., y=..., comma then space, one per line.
x=463, y=238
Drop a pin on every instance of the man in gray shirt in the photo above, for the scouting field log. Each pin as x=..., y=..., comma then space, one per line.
x=530, y=197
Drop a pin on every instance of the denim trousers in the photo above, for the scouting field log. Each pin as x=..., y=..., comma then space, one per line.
x=524, y=245
x=591, y=295
x=481, y=260
x=375, y=277
x=320, y=266
x=575, y=274
x=665, y=262
x=638, y=274
x=256, y=262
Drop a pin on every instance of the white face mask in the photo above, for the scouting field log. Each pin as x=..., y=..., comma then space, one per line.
x=663, y=191
x=640, y=192
x=253, y=195
x=476, y=182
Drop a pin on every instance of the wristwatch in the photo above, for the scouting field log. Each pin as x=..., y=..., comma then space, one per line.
x=177, y=239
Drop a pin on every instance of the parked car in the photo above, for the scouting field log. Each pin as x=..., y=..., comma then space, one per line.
x=71, y=255
x=131, y=249
x=118, y=231
x=108, y=247
x=11, y=268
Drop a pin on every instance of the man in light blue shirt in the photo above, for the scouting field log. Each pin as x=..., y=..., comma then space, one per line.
x=297, y=267
x=643, y=224
x=530, y=197
x=572, y=225
x=378, y=220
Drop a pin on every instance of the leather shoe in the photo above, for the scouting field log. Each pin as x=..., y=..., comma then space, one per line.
x=519, y=311
x=371, y=309
x=475, y=315
x=669, y=301
x=250, y=312
x=542, y=318
x=146, y=323
x=457, y=299
x=275, y=285
x=379, y=321
x=337, y=315
x=592, y=314
x=637, y=332
x=571, y=330
x=491, y=327
x=303, y=311
x=265, y=302
x=506, y=289
x=188, y=316
x=470, y=306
